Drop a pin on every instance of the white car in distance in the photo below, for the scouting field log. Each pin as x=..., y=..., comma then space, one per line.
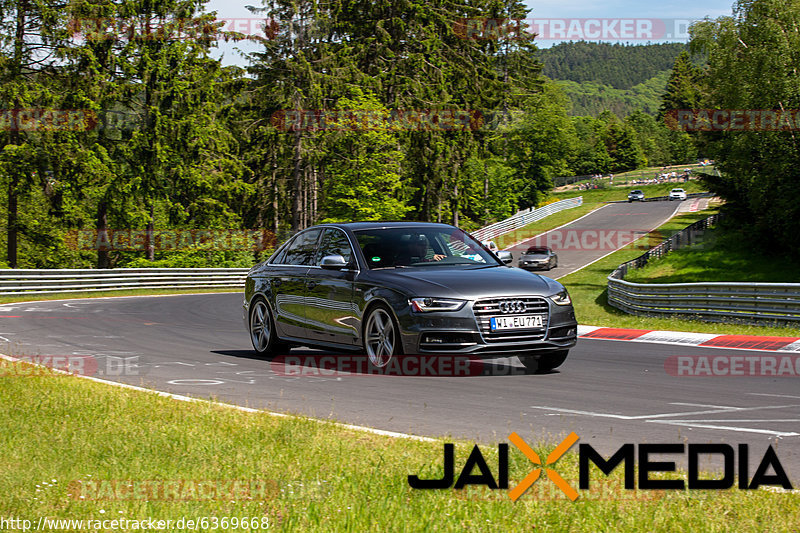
x=677, y=194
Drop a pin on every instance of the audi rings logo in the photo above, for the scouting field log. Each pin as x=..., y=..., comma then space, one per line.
x=512, y=306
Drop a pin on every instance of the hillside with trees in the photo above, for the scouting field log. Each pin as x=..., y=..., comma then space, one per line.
x=617, y=77
x=617, y=65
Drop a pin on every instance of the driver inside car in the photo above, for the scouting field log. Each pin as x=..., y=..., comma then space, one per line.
x=415, y=250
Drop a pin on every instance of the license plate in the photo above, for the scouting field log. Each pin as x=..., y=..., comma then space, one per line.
x=516, y=322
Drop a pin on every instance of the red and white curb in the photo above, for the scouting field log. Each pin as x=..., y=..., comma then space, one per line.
x=703, y=340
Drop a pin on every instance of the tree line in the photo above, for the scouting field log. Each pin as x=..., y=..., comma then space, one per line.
x=753, y=61
x=116, y=116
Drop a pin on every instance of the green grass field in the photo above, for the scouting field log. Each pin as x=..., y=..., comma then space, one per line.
x=588, y=289
x=623, y=179
x=720, y=257
x=65, y=437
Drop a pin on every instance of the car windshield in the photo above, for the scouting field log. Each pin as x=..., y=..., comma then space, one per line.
x=537, y=251
x=677, y=190
x=636, y=192
x=421, y=246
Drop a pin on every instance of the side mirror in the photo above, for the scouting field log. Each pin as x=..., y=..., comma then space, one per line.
x=333, y=262
x=505, y=256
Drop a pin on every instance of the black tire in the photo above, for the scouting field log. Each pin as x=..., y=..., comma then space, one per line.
x=262, y=330
x=381, y=336
x=545, y=362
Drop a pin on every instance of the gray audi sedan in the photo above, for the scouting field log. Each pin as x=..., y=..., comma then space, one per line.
x=390, y=288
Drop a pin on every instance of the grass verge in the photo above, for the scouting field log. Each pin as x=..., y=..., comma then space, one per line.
x=719, y=257
x=589, y=291
x=623, y=178
x=65, y=437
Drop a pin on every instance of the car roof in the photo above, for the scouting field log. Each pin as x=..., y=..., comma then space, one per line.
x=355, y=226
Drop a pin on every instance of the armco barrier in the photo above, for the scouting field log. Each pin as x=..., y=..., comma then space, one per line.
x=523, y=218
x=27, y=281
x=711, y=301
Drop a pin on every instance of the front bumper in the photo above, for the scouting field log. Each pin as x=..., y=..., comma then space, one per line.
x=463, y=332
x=531, y=264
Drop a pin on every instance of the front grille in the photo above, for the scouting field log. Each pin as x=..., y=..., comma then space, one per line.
x=485, y=309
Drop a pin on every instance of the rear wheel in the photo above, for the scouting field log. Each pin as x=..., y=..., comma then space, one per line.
x=381, y=336
x=545, y=362
x=262, y=329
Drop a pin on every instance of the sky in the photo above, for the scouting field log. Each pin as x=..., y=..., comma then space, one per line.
x=555, y=20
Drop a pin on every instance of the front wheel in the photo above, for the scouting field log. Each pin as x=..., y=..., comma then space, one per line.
x=544, y=363
x=381, y=336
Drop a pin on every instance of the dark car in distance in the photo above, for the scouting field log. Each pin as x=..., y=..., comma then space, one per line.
x=405, y=288
x=538, y=257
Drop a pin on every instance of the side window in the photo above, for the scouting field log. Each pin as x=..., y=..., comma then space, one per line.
x=280, y=257
x=302, y=248
x=334, y=242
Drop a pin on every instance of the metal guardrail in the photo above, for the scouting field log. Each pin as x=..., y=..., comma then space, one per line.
x=47, y=281
x=523, y=218
x=43, y=281
x=710, y=301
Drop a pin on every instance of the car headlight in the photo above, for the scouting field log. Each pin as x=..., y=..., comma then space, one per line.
x=426, y=305
x=561, y=298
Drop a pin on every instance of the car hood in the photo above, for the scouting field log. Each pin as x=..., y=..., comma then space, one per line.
x=467, y=283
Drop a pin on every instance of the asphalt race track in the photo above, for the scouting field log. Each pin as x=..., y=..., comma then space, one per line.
x=608, y=392
x=599, y=233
